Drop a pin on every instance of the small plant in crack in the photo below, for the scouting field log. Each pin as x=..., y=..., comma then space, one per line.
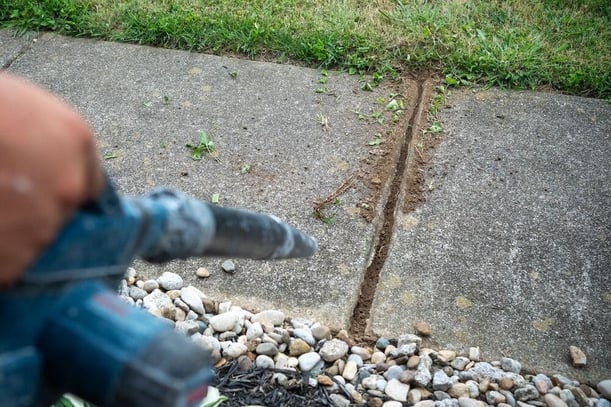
x=377, y=140
x=206, y=145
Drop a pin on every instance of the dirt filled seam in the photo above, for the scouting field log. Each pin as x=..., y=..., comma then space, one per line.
x=362, y=309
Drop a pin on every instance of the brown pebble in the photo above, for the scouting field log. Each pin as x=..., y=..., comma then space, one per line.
x=413, y=362
x=382, y=366
x=202, y=272
x=298, y=347
x=401, y=360
x=423, y=328
x=375, y=402
x=324, y=380
x=407, y=376
x=332, y=370
x=244, y=362
x=578, y=357
x=506, y=383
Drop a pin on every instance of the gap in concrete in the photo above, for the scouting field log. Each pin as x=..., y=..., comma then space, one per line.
x=362, y=309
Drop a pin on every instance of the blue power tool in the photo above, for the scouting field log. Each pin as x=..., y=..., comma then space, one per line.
x=63, y=329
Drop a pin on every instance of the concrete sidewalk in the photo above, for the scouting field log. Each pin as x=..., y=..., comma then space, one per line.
x=509, y=251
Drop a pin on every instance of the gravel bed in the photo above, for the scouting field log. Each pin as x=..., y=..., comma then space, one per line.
x=270, y=360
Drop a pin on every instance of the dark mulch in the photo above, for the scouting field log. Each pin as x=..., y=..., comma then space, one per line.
x=254, y=386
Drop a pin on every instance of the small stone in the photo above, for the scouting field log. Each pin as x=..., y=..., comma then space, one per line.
x=446, y=356
x=542, y=383
x=150, y=285
x=375, y=402
x=458, y=390
x=224, y=322
x=414, y=396
x=187, y=327
x=423, y=375
x=460, y=362
x=157, y=299
x=180, y=304
x=473, y=389
x=224, y=306
x=554, y=401
x=441, y=395
x=228, y=266
x=235, y=350
x=179, y=314
x=407, y=349
x=413, y=362
x=173, y=294
x=409, y=338
x=362, y=352
x=324, y=380
x=423, y=328
x=396, y=390
x=392, y=403
x=267, y=348
x=393, y=372
x=494, y=398
x=305, y=334
x=580, y=397
x=202, y=272
x=254, y=331
x=577, y=356
x=382, y=343
x=468, y=402
x=333, y=350
x=264, y=361
x=210, y=305
x=244, y=362
x=526, y=393
x=604, y=388
x=130, y=275
x=510, y=365
x=603, y=402
x=378, y=357
x=190, y=295
x=509, y=399
x=474, y=354
x=356, y=359
x=339, y=400
x=506, y=383
x=441, y=381
x=269, y=317
x=349, y=370
x=170, y=281
x=298, y=347
x=425, y=403
x=320, y=331
x=137, y=293
x=407, y=376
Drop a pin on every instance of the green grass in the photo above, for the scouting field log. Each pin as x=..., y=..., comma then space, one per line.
x=558, y=44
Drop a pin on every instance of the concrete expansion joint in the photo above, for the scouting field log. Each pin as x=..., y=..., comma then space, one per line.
x=362, y=309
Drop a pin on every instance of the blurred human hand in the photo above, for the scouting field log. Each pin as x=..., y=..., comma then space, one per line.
x=48, y=167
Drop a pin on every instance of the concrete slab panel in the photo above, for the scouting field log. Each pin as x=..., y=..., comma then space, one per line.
x=281, y=147
x=511, y=250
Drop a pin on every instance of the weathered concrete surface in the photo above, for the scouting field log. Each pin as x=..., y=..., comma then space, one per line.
x=511, y=250
x=147, y=103
x=11, y=46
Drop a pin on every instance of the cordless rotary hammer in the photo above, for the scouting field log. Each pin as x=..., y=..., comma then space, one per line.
x=63, y=329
